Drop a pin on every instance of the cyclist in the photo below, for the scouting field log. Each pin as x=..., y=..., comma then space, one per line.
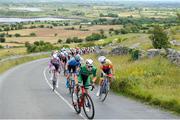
x=84, y=74
x=106, y=69
x=71, y=67
x=55, y=61
x=64, y=59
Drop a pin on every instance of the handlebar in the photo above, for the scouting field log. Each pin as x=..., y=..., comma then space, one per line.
x=87, y=86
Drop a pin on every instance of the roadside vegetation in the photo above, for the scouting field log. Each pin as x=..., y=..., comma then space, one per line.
x=155, y=81
x=11, y=63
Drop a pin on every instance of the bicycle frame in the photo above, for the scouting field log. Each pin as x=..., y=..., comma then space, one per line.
x=82, y=96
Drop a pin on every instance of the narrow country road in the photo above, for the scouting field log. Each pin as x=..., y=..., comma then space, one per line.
x=25, y=93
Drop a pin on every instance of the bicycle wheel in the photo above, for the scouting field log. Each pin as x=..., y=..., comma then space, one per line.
x=104, y=90
x=54, y=82
x=70, y=86
x=75, y=101
x=88, y=107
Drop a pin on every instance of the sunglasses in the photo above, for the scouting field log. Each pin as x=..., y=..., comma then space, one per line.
x=90, y=66
x=103, y=62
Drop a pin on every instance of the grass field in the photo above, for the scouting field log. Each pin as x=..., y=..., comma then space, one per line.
x=155, y=81
x=131, y=39
x=48, y=35
x=12, y=52
x=11, y=63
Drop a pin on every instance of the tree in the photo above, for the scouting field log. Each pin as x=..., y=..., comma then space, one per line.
x=2, y=39
x=159, y=38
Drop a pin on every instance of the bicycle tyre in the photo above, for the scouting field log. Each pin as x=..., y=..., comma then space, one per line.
x=87, y=97
x=104, y=91
x=76, y=107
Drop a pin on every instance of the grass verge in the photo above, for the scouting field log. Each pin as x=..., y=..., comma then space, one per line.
x=155, y=81
x=11, y=63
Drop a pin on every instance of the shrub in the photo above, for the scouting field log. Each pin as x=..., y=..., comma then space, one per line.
x=32, y=34
x=2, y=34
x=39, y=46
x=94, y=37
x=2, y=39
x=17, y=35
x=159, y=38
x=59, y=41
x=135, y=54
x=1, y=46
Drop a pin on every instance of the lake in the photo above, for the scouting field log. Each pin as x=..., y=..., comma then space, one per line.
x=14, y=20
x=31, y=9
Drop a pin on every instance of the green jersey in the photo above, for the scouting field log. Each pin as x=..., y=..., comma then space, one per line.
x=84, y=75
x=84, y=71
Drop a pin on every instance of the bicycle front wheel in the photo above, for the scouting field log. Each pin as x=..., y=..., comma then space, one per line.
x=104, y=90
x=75, y=102
x=88, y=107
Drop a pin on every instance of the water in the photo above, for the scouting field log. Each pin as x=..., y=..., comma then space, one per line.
x=31, y=9
x=14, y=20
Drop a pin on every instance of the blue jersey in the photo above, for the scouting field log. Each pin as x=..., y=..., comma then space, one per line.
x=73, y=62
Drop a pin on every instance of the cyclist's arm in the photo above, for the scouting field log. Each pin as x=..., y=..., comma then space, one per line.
x=94, y=75
x=101, y=68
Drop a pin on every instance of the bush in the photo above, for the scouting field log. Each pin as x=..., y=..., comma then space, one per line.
x=135, y=54
x=2, y=39
x=74, y=39
x=59, y=41
x=159, y=38
x=39, y=46
x=94, y=37
x=32, y=34
x=124, y=31
x=2, y=34
x=17, y=35
x=1, y=47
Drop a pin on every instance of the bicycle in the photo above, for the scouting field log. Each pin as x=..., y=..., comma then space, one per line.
x=104, y=87
x=84, y=100
x=71, y=83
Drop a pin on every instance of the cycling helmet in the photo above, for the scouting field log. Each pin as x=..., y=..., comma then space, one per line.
x=89, y=62
x=102, y=59
x=55, y=55
x=77, y=57
x=65, y=53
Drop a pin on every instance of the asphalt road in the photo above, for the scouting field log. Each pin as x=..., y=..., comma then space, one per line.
x=25, y=92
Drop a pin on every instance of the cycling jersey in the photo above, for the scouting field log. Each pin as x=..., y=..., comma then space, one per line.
x=72, y=65
x=55, y=62
x=84, y=75
x=106, y=65
x=73, y=62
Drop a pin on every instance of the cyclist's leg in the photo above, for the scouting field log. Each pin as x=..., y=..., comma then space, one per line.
x=100, y=82
x=68, y=76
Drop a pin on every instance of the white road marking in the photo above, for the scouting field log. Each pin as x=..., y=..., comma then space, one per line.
x=58, y=94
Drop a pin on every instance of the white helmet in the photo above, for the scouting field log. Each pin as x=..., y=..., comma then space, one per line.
x=89, y=62
x=102, y=59
x=55, y=55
